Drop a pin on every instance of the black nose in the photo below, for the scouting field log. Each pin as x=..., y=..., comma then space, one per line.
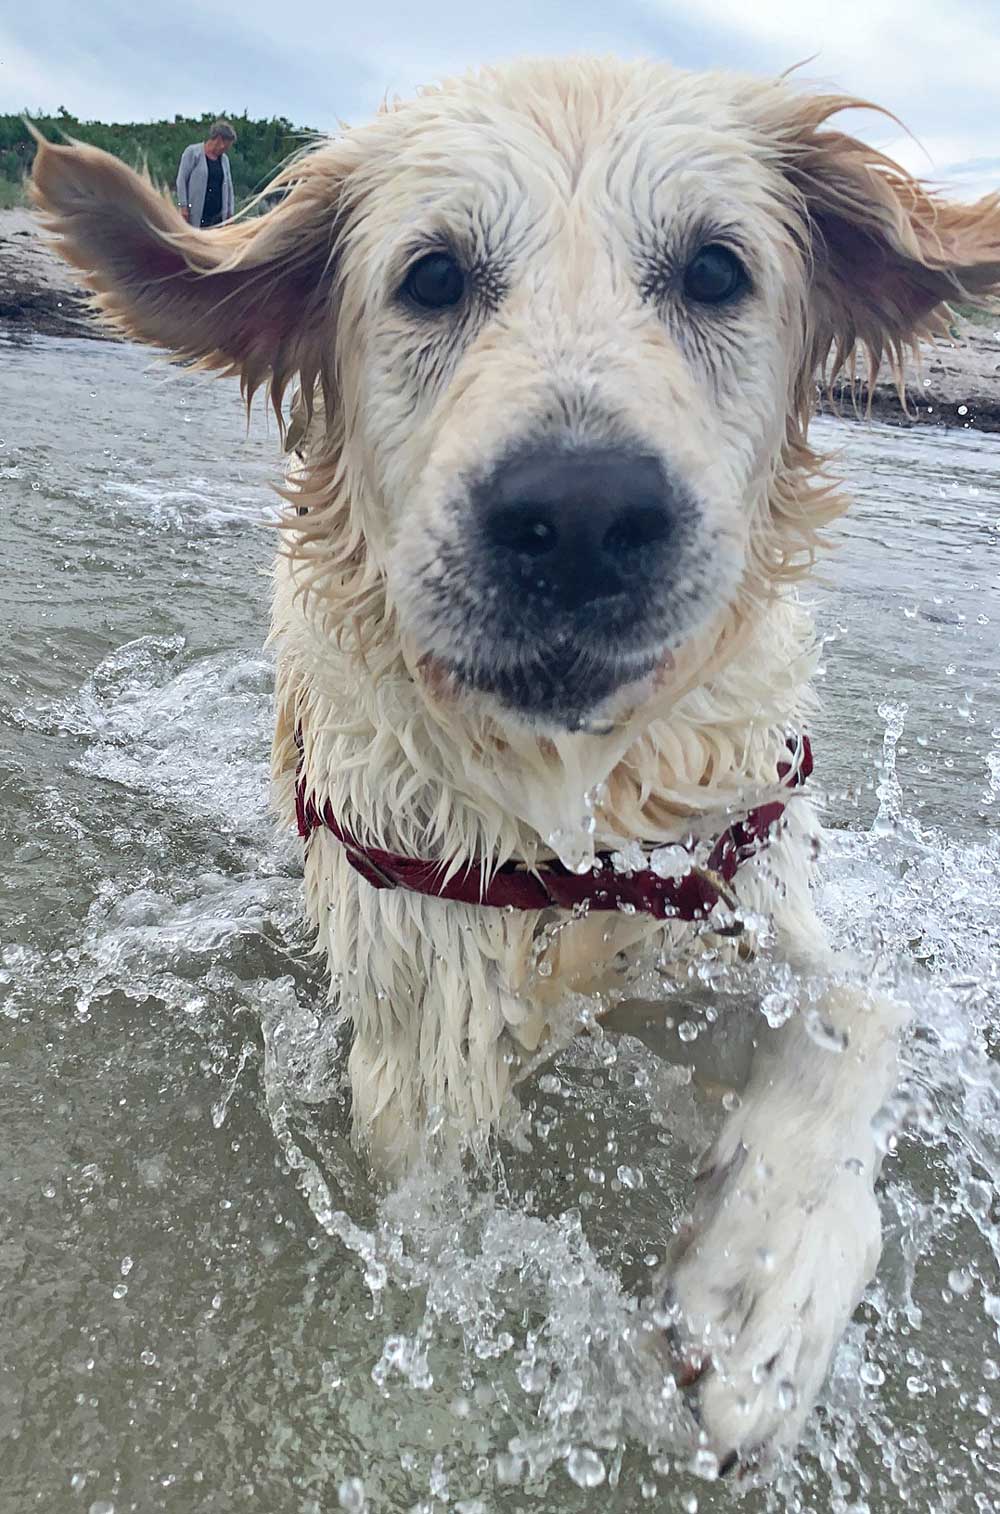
x=573, y=527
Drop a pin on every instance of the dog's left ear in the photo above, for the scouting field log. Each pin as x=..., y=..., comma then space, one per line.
x=887, y=254
x=254, y=297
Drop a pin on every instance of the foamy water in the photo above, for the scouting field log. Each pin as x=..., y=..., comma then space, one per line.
x=208, y=1305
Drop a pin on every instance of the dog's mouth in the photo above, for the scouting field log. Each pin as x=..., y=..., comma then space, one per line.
x=556, y=685
x=565, y=613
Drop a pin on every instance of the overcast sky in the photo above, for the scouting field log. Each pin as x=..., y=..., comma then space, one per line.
x=937, y=66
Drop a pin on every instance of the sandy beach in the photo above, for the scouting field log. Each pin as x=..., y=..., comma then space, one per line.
x=956, y=383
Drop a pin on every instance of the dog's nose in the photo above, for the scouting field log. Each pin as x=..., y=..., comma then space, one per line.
x=574, y=527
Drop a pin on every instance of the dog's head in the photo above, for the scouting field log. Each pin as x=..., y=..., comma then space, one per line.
x=567, y=319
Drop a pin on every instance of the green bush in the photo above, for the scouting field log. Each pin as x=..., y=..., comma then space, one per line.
x=261, y=148
x=11, y=194
x=980, y=315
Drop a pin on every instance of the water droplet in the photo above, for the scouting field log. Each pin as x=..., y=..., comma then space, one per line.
x=78, y=1482
x=704, y=1463
x=533, y=1376
x=787, y=1395
x=351, y=1495
x=574, y=848
x=126, y=1266
x=872, y=1374
x=585, y=1467
x=631, y=1177
x=631, y=859
x=119, y=1290
x=776, y=1008
x=959, y=1281
x=102, y=1506
x=670, y=862
x=885, y=1127
x=963, y=409
x=509, y=1467
x=687, y=1031
x=148, y=1358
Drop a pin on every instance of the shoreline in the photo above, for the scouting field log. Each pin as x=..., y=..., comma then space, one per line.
x=955, y=385
x=38, y=294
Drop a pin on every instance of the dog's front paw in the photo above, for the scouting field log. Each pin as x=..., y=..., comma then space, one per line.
x=752, y=1304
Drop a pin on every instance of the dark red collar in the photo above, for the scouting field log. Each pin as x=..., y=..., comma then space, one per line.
x=552, y=885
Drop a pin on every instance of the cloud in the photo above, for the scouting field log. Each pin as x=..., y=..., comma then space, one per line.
x=969, y=181
x=934, y=66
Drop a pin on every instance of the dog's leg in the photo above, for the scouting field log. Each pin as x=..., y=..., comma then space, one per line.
x=786, y=1231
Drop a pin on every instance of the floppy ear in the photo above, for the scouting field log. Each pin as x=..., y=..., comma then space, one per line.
x=253, y=297
x=887, y=253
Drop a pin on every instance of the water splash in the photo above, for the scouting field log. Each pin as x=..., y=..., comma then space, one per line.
x=498, y=1309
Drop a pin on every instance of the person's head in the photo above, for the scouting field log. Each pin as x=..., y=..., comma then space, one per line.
x=220, y=139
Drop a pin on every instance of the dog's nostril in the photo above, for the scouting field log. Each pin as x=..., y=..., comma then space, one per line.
x=528, y=532
x=635, y=530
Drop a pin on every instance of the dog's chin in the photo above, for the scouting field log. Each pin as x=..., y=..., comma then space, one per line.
x=549, y=692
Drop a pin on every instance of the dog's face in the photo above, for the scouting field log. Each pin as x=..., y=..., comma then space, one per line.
x=568, y=336
x=566, y=317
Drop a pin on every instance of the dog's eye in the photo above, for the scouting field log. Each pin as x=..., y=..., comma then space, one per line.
x=435, y=282
x=714, y=276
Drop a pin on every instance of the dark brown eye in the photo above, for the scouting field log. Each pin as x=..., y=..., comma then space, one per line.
x=714, y=276
x=435, y=282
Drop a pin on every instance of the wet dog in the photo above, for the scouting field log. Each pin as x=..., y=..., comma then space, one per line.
x=556, y=331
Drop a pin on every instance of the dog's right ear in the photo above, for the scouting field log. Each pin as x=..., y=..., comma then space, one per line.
x=254, y=297
x=887, y=255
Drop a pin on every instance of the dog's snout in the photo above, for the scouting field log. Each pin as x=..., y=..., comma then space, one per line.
x=573, y=527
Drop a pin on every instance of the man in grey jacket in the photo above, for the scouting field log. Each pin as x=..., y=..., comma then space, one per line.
x=204, y=181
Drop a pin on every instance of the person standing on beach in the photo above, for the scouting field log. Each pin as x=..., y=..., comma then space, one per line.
x=204, y=181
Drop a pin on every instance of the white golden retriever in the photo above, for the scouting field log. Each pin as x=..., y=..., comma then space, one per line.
x=556, y=330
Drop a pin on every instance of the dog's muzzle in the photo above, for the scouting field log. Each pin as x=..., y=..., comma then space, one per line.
x=571, y=582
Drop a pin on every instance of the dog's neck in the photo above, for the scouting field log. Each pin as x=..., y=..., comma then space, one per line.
x=424, y=775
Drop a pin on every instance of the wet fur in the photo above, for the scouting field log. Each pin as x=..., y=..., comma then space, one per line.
x=574, y=192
